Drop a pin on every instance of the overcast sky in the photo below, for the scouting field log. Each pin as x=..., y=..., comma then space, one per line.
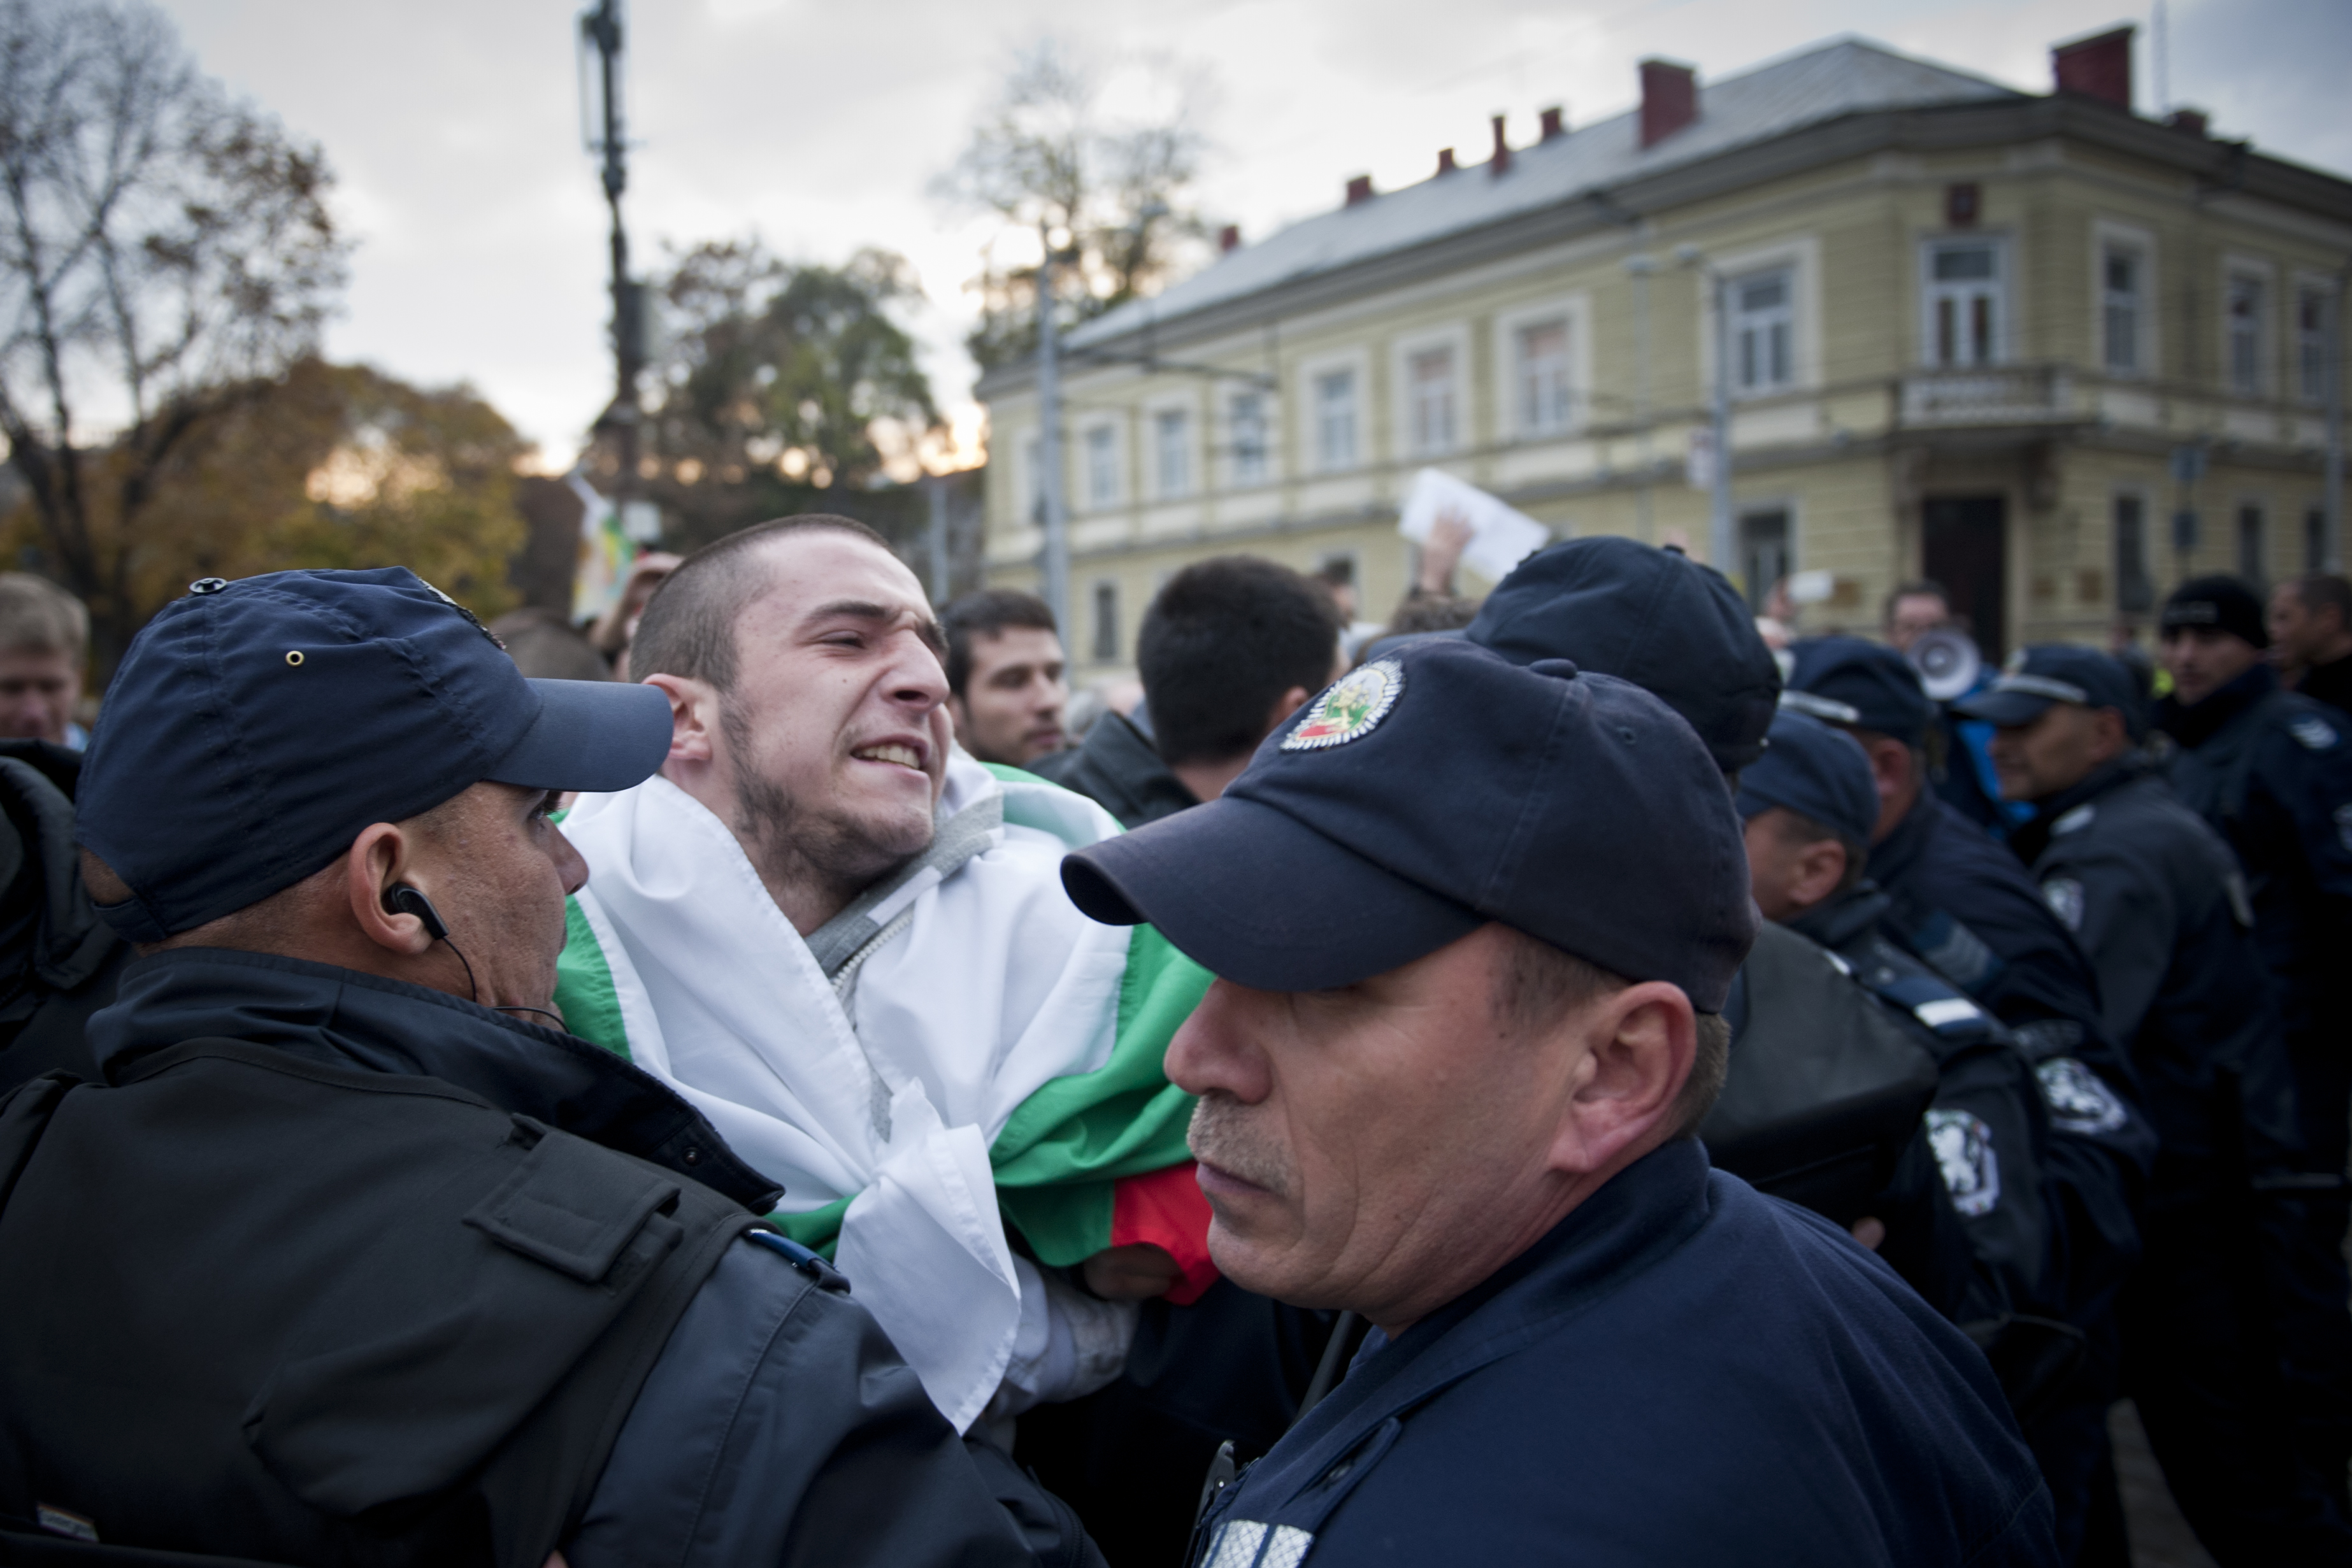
x=454, y=127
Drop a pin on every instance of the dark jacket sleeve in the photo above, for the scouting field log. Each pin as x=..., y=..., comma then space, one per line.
x=781, y=1426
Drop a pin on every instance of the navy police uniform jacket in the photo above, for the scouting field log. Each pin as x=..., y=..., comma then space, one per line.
x=1681, y=1370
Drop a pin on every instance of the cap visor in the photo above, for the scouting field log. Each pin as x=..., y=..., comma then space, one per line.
x=2003, y=708
x=591, y=735
x=1262, y=900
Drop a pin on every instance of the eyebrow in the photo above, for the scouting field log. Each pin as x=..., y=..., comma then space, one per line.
x=927, y=628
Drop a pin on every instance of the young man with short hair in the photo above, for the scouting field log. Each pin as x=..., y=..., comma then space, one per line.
x=44, y=644
x=1006, y=686
x=2311, y=636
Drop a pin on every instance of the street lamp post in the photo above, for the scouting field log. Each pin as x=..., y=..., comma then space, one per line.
x=1054, y=558
x=2331, y=548
x=1721, y=544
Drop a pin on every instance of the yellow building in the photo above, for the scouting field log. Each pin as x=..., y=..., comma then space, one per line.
x=2052, y=353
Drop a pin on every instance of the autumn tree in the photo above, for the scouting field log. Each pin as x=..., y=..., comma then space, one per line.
x=165, y=255
x=1050, y=156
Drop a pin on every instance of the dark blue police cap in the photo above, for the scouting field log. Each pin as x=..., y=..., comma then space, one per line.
x=255, y=728
x=1816, y=772
x=1427, y=793
x=1853, y=681
x=2050, y=673
x=1653, y=617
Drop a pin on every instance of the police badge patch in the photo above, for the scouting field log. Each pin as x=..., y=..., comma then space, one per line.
x=2076, y=819
x=2079, y=1102
x=2314, y=733
x=1963, y=1146
x=1350, y=708
x=2063, y=895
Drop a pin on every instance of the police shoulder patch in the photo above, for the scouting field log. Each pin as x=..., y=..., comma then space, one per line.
x=2076, y=821
x=2079, y=1102
x=2063, y=895
x=1964, y=1152
x=2316, y=733
x=1350, y=708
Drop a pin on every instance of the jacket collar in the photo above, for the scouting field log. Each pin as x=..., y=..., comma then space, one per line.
x=1839, y=919
x=1893, y=857
x=2031, y=839
x=351, y=1019
x=2192, y=727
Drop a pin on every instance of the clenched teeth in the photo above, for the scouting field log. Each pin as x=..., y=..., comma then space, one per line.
x=904, y=756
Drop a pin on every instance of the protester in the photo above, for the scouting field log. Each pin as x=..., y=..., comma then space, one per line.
x=544, y=646
x=1229, y=648
x=44, y=644
x=2159, y=905
x=1963, y=903
x=847, y=943
x=618, y=626
x=2311, y=636
x=440, y=1282
x=2271, y=771
x=1006, y=688
x=1474, y=926
x=1958, y=763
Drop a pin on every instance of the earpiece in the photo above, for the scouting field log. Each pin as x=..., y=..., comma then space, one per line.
x=406, y=900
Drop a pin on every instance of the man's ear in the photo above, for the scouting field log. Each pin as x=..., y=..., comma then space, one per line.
x=694, y=717
x=1640, y=1044
x=1820, y=866
x=378, y=862
x=2112, y=738
x=1289, y=703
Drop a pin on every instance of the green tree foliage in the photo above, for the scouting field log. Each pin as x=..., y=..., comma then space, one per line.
x=165, y=254
x=780, y=387
x=1051, y=157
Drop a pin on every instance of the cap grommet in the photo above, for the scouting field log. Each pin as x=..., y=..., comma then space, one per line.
x=208, y=585
x=294, y=656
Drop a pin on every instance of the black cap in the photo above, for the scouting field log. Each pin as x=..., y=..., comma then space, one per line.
x=255, y=728
x=1854, y=682
x=1653, y=617
x=2050, y=673
x=1816, y=772
x=2219, y=601
x=1427, y=793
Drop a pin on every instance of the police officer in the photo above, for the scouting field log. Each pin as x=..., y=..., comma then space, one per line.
x=2157, y=902
x=1808, y=806
x=356, y=1255
x=2272, y=772
x=1473, y=925
x=1963, y=903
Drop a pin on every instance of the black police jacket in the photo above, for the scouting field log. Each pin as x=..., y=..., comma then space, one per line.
x=59, y=961
x=2157, y=902
x=2272, y=771
x=1682, y=1371
x=1118, y=768
x=338, y=1268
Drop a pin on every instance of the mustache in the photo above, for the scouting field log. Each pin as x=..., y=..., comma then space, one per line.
x=1225, y=1133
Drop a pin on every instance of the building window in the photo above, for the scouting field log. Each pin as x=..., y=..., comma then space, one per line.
x=1763, y=554
x=1335, y=420
x=2244, y=305
x=1543, y=353
x=1763, y=326
x=1248, y=426
x=1964, y=303
x=1172, y=452
x=2134, y=589
x=2253, y=559
x=2123, y=272
x=1106, y=647
x=2314, y=540
x=1102, y=467
x=2311, y=315
x=1429, y=377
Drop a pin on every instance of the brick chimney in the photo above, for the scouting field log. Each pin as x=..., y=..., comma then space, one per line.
x=2190, y=121
x=1551, y=125
x=1229, y=238
x=1669, y=99
x=1445, y=165
x=1359, y=189
x=1501, y=163
x=2097, y=68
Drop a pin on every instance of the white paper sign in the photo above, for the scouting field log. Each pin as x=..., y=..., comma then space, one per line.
x=1500, y=538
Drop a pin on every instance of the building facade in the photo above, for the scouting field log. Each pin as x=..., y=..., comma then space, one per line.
x=2051, y=353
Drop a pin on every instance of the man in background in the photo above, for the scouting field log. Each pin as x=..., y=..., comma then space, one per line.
x=1230, y=648
x=1006, y=686
x=2311, y=636
x=43, y=640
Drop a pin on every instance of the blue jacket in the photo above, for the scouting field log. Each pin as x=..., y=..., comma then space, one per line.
x=1682, y=1371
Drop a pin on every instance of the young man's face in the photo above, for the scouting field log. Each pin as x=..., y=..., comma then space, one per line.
x=2300, y=637
x=1913, y=616
x=38, y=688
x=1011, y=710
x=2201, y=660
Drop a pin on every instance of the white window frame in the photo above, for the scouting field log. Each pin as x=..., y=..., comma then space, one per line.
x=1454, y=340
x=1801, y=256
x=2302, y=342
x=2107, y=237
x=1935, y=294
x=1239, y=475
x=1101, y=498
x=2263, y=335
x=1357, y=363
x=1575, y=312
x=1187, y=413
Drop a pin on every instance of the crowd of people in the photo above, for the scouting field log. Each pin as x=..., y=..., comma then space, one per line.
x=764, y=1080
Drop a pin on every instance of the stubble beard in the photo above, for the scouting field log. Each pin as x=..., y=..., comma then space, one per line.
x=1224, y=1133
x=789, y=843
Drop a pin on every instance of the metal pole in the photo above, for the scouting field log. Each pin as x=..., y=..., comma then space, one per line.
x=603, y=27
x=1721, y=545
x=936, y=486
x=1053, y=558
x=2332, y=547
x=1640, y=267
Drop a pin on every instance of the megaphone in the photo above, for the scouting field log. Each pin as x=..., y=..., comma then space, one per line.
x=1948, y=663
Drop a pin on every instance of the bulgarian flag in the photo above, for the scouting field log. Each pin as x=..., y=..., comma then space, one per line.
x=959, y=1057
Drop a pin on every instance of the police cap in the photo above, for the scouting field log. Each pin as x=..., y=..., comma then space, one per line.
x=1816, y=772
x=2050, y=673
x=1855, y=682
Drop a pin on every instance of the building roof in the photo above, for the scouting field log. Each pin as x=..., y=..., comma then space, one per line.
x=1849, y=76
